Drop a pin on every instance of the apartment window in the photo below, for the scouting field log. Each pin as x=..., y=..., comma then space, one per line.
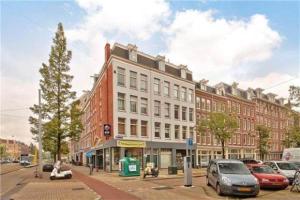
x=184, y=113
x=166, y=89
x=198, y=104
x=191, y=132
x=167, y=110
x=191, y=114
x=176, y=111
x=202, y=103
x=183, y=93
x=144, y=106
x=245, y=124
x=144, y=125
x=133, y=104
x=157, y=129
x=121, y=76
x=238, y=108
x=229, y=106
x=176, y=91
x=157, y=108
x=121, y=126
x=133, y=80
x=190, y=95
x=133, y=127
x=207, y=105
x=121, y=102
x=167, y=130
x=184, y=129
x=156, y=86
x=214, y=106
x=176, y=131
x=144, y=83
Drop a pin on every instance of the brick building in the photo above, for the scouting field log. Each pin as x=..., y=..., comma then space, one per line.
x=14, y=148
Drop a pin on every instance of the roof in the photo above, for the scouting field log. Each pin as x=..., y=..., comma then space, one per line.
x=227, y=161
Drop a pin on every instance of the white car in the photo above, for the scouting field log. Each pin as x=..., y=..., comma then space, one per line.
x=288, y=169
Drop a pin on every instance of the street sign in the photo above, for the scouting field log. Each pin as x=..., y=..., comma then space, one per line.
x=89, y=154
x=189, y=143
x=106, y=129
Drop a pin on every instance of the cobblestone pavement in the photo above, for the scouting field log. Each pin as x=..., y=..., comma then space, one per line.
x=9, y=167
x=55, y=190
x=171, y=187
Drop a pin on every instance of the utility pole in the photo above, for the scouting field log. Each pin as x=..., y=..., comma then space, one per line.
x=40, y=137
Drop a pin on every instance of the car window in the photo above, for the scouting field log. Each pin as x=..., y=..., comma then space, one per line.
x=287, y=166
x=273, y=165
x=263, y=169
x=233, y=168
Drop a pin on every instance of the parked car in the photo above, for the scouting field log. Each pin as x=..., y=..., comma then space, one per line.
x=231, y=177
x=24, y=162
x=48, y=167
x=267, y=177
x=288, y=169
x=249, y=161
x=297, y=163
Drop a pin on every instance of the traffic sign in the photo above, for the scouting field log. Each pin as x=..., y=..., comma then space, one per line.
x=189, y=143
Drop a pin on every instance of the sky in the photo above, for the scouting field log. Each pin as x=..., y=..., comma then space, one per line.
x=255, y=43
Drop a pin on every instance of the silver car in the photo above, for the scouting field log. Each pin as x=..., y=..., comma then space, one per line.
x=231, y=177
x=285, y=168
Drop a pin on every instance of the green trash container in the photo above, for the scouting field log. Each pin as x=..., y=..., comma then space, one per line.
x=129, y=167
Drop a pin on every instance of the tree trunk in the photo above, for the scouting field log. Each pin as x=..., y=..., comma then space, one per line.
x=54, y=157
x=223, y=149
x=58, y=147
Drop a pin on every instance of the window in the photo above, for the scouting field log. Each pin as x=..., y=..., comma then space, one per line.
x=176, y=111
x=184, y=129
x=121, y=102
x=157, y=129
x=191, y=114
x=144, y=106
x=191, y=132
x=156, y=86
x=133, y=104
x=183, y=93
x=229, y=106
x=245, y=124
x=176, y=91
x=167, y=89
x=238, y=108
x=190, y=95
x=121, y=76
x=133, y=127
x=167, y=130
x=208, y=105
x=176, y=131
x=133, y=80
x=121, y=126
x=144, y=83
x=167, y=110
x=214, y=106
x=157, y=108
x=183, y=113
x=197, y=102
x=202, y=103
x=144, y=125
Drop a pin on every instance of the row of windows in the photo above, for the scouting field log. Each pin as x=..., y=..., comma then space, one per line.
x=272, y=110
x=271, y=123
x=208, y=139
x=157, y=108
x=158, y=127
x=186, y=94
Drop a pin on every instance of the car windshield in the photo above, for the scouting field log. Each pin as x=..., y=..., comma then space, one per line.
x=287, y=166
x=263, y=169
x=233, y=168
x=297, y=164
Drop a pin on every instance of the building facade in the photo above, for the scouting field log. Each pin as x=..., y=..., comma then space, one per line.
x=148, y=104
x=14, y=148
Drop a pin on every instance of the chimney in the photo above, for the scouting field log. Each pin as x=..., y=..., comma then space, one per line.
x=107, y=51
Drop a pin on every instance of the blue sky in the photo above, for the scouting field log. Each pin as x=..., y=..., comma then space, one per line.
x=262, y=39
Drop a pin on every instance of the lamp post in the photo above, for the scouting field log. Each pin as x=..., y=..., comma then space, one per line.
x=40, y=137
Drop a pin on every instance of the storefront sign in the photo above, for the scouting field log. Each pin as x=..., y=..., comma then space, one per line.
x=131, y=143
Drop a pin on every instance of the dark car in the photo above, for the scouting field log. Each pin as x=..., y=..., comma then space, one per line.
x=48, y=167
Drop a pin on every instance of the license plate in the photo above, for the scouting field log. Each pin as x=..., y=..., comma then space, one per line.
x=244, y=189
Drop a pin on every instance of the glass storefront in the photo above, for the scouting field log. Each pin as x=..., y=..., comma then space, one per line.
x=115, y=157
x=234, y=154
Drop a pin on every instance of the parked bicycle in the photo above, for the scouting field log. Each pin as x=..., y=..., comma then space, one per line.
x=296, y=183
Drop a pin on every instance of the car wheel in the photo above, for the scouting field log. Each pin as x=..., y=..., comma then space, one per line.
x=207, y=182
x=219, y=190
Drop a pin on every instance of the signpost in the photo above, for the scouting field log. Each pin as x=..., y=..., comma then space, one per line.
x=188, y=163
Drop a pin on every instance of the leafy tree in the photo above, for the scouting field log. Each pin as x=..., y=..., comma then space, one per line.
x=295, y=95
x=3, y=153
x=56, y=97
x=221, y=125
x=263, y=139
x=76, y=126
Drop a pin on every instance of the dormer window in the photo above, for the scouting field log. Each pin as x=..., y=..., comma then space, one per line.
x=203, y=83
x=183, y=70
x=132, y=50
x=161, y=62
x=234, y=88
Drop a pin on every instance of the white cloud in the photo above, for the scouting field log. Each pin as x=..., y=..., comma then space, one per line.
x=273, y=82
x=210, y=45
